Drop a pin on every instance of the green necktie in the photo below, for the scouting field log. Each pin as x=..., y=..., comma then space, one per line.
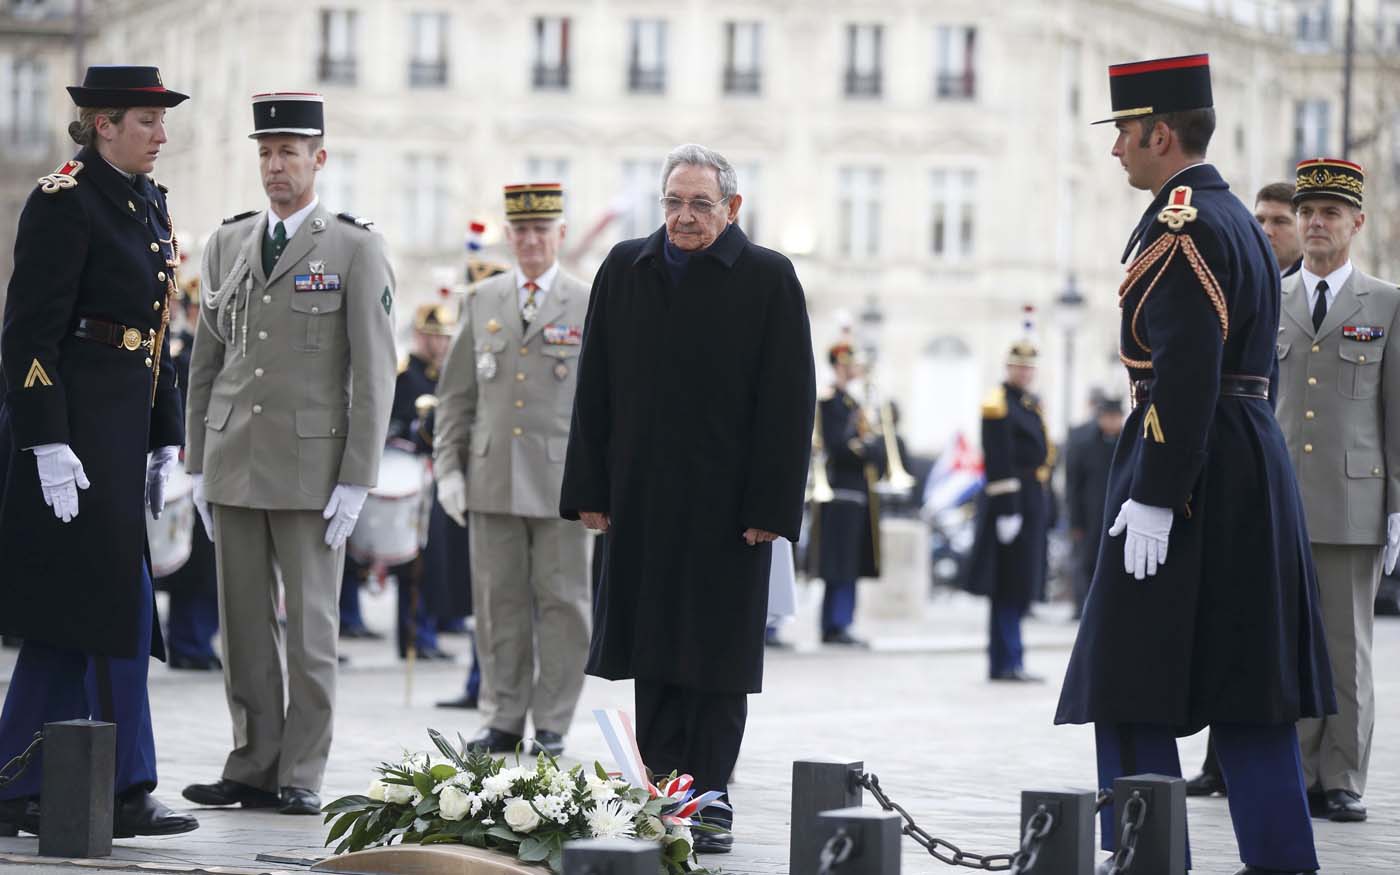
x=272, y=249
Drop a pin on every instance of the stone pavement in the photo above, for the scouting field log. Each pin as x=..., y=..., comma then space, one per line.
x=955, y=749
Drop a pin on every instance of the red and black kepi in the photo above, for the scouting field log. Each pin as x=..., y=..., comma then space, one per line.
x=1162, y=85
x=120, y=86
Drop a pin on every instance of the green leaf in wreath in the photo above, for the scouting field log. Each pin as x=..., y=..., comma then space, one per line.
x=533, y=850
x=504, y=833
x=423, y=784
x=427, y=805
x=350, y=803
x=677, y=851
x=443, y=745
x=440, y=838
x=601, y=772
x=441, y=772
x=656, y=806
x=343, y=825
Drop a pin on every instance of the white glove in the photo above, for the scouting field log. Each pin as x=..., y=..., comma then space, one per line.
x=452, y=495
x=1148, y=529
x=201, y=504
x=343, y=510
x=60, y=476
x=1392, y=541
x=157, y=472
x=1008, y=527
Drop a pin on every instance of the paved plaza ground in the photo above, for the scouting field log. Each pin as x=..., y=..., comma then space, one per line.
x=952, y=747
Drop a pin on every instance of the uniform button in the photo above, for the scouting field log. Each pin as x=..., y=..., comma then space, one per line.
x=524, y=350
x=1376, y=471
x=267, y=299
x=257, y=372
x=148, y=362
x=262, y=335
x=1312, y=381
x=520, y=377
x=519, y=405
x=1307, y=448
x=155, y=247
x=160, y=275
x=517, y=431
x=315, y=309
x=1316, y=348
x=257, y=408
x=334, y=430
x=1309, y=415
x=155, y=305
x=1361, y=358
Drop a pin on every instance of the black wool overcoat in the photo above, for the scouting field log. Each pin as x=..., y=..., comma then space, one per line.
x=692, y=422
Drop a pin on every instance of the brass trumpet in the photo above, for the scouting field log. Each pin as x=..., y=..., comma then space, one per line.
x=896, y=477
x=818, y=486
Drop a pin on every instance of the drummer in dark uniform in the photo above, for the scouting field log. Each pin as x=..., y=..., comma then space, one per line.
x=95, y=420
x=1204, y=605
x=1008, y=554
x=846, y=530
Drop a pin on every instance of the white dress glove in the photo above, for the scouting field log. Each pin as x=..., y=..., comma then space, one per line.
x=60, y=477
x=157, y=473
x=1148, y=529
x=452, y=495
x=343, y=510
x=1392, y=541
x=1008, y=527
x=201, y=504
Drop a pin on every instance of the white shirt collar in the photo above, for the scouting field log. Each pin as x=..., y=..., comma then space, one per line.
x=1166, y=186
x=1335, y=280
x=129, y=176
x=293, y=222
x=544, y=283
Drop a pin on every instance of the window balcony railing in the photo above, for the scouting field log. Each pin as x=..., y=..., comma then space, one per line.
x=646, y=80
x=551, y=77
x=860, y=84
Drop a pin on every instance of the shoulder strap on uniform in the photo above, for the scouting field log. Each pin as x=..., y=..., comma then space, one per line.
x=64, y=177
x=1175, y=215
x=161, y=186
x=240, y=217
x=353, y=219
x=994, y=405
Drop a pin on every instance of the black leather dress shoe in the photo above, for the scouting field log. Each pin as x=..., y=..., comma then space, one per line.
x=141, y=814
x=19, y=815
x=363, y=633
x=299, y=800
x=842, y=638
x=1018, y=676
x=1252, y=870
x=226, y=792
x=1344, y=806
x=494, y=741
x=551, y=743
x=713, y=842
x=462, y=701
x=1205, y=784
x=196, y=663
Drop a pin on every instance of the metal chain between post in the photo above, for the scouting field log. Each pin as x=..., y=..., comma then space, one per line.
x=21, y=762
x=936, y=847
x=1134, y=814
x=1038, y=827
x=836, y=851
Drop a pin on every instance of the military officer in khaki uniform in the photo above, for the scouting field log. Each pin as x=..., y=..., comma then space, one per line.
x=1336, y=397
x=290, y=390
x=505, y=400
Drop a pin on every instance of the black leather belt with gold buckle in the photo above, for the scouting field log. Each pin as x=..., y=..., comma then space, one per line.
x=1231, y=385
x=114, y=335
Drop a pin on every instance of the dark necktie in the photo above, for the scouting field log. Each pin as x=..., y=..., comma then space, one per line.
x=1320, y=306
x=272, y=249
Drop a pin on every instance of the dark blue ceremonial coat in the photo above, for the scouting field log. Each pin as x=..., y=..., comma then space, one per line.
x=96, y=249
x=1229, y=629
x=845, y=531
x=1019, y=454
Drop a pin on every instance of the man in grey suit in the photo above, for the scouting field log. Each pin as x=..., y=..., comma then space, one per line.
x=290, y=388
x=1338, y=406
x=505, y=400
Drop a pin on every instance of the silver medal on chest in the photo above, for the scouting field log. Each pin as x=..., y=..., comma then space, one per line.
x=486, y=365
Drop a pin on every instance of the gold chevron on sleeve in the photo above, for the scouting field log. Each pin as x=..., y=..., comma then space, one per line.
x=37, y=374
x=1152, y=425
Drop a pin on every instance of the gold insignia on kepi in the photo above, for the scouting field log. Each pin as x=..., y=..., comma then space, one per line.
x=1152, y=425
x=541, y=200
x=1329, y=177
x=1178, y=210
x=61, y=178
x=36, y=374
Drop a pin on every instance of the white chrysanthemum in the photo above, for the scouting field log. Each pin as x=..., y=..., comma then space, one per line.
x=376, y=790
x=612, y=820
x=453, y=804
x=495, y=787
x=520, y=815
x=399, y=793
x=562, y=784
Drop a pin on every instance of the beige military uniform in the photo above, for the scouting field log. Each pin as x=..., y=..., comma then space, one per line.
x=1338, y=388
x=505, y=401
x=291, y=381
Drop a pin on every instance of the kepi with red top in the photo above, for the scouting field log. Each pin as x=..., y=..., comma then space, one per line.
x=1158, y=86
x=1329, y=177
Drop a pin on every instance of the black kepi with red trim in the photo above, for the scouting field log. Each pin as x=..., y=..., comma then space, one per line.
x=109, y=86
x=1329, y=177
x=1163, y=85
x=301, y=113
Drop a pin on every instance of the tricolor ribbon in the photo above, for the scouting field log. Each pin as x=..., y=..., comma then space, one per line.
x=621, y=739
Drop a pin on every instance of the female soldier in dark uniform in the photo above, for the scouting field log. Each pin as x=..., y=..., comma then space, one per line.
x=89, y=393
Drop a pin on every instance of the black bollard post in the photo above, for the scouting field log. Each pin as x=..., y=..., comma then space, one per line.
x=818, y=785
x=1161, y=838
x=874, y=838
x=1069, y=847
x=76, y=792
x=612, y=857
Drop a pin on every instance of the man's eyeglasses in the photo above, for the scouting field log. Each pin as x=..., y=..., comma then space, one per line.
x=672, y=205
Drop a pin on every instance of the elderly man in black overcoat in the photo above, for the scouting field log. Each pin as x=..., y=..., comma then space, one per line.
x=1204, y=606
x=689, y=446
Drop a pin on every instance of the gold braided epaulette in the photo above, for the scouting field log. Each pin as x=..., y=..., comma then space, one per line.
x=994, y=405
x=62, y=178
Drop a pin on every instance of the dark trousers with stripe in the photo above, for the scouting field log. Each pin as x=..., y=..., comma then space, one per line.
x=838, y=606
x=1005, y=651
x=51, y=684
x=1264, y=774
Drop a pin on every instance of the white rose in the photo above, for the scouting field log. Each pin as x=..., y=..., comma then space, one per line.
x=376, y=790
x=453, y=804
x=520, y=815
x=600, y=791
x=398, y=793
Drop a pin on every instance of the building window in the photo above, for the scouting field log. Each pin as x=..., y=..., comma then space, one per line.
x=338, y=32
x=32, y=10
x=863, y=61
x=551, y=69
x=952, y=214
x=1314, y=23
x=743, y=50
x=859, y=211
x=23, y=97
x=641, y=182
x=1388, y=26
x=425, y=201
x=1311, y=120
x=335, y=182
x=751, y=209
x=955, y=54
x=646, y=56
x=427, y=64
